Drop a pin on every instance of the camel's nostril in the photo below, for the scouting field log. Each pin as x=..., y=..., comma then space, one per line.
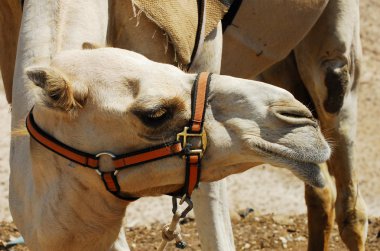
x=295, y=115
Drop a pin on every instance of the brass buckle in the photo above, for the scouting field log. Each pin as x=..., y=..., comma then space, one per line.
x=203, y=137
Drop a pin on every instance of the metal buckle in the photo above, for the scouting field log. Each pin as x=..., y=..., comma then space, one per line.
x=203, y=137
x=186, y=199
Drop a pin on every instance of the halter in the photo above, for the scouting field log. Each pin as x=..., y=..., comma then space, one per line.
x=180, y=146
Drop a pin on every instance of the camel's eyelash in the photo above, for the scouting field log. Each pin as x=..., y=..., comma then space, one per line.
x=156, y=117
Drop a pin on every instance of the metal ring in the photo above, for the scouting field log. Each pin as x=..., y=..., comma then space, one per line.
x=105, y=153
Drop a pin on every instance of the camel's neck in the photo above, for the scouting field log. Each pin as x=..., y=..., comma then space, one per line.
x=74, y=198
x=49, y=27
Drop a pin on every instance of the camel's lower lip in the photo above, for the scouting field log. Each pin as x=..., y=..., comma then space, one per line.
x=317, y=152
x=274, y=153
x=309, y=172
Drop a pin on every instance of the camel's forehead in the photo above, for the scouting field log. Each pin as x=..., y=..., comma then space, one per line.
x=112, y=74
x=110, y=62
x=76, y=61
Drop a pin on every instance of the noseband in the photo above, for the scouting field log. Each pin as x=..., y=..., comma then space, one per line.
x=180, y=147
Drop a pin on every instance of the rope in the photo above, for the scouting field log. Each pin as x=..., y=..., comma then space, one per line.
x=172, y=232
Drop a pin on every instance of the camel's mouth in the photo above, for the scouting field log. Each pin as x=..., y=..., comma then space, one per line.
x=304, y=166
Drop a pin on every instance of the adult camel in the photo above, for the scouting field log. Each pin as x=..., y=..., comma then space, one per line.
x=50, y=194
x=10, y=18
x=322, y=71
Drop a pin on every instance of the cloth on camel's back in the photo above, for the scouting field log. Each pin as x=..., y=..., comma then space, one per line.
x=179, y=19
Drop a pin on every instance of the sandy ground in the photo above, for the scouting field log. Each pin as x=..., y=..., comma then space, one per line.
x=267, y=189
x=254, y=232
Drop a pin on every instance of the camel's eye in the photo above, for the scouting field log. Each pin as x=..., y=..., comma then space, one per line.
x=155, y=117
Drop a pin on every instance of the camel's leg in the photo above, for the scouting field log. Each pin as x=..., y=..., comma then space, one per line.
x=328, y=60
x=212, y=216
x=320, y=212
x=320, y=202
x=121, y=243
x=210, y=199
x=10, y=20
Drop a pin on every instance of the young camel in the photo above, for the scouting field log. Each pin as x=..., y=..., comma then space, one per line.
x=83, y=93
x=42, y=225
x=322, y=71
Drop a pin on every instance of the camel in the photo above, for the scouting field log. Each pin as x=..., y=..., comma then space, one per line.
x=209, y=220
x=82, y=93
x=322, y=71
x=10, y=19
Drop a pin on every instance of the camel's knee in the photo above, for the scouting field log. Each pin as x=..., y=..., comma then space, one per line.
x=337, y=81
x=341, y=71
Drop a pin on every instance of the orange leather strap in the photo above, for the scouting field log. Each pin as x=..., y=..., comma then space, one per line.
x=193, y=172
x=89, y=160
x=193, y=161
x=149, y=154
x=200, y=90
x=58, y=147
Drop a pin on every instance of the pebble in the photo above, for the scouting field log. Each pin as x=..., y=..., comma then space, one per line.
x=247, y=246
x=300, y=238
x=284, y=242
x=283, y=239
x=245, y=212
x=282, y=220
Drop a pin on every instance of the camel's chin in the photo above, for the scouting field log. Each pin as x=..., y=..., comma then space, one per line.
x=308, y=172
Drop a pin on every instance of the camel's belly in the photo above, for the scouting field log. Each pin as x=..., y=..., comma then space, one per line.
x=264, y=32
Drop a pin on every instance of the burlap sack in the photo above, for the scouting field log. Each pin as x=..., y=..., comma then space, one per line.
x=179, y=19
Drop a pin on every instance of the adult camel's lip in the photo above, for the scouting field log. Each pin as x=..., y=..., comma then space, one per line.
x=307, y=171
x=318, y=153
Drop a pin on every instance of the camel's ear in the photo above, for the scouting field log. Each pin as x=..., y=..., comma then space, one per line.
x=90, y=46
x=58, y=92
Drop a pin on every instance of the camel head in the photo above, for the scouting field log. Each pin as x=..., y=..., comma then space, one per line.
x=118, y=101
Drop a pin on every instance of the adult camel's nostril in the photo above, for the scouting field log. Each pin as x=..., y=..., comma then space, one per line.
x=295, y=115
